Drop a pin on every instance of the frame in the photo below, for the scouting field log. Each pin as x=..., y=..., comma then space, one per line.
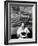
x=7, y=21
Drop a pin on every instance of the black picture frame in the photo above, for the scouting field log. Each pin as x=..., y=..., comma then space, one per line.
x=6, y=28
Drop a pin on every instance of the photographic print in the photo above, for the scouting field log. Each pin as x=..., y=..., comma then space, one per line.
x=20, y=22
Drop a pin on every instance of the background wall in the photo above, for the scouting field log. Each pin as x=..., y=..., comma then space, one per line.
x=2, y=25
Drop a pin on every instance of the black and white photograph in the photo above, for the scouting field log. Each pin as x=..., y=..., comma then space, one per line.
x=20, y=22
